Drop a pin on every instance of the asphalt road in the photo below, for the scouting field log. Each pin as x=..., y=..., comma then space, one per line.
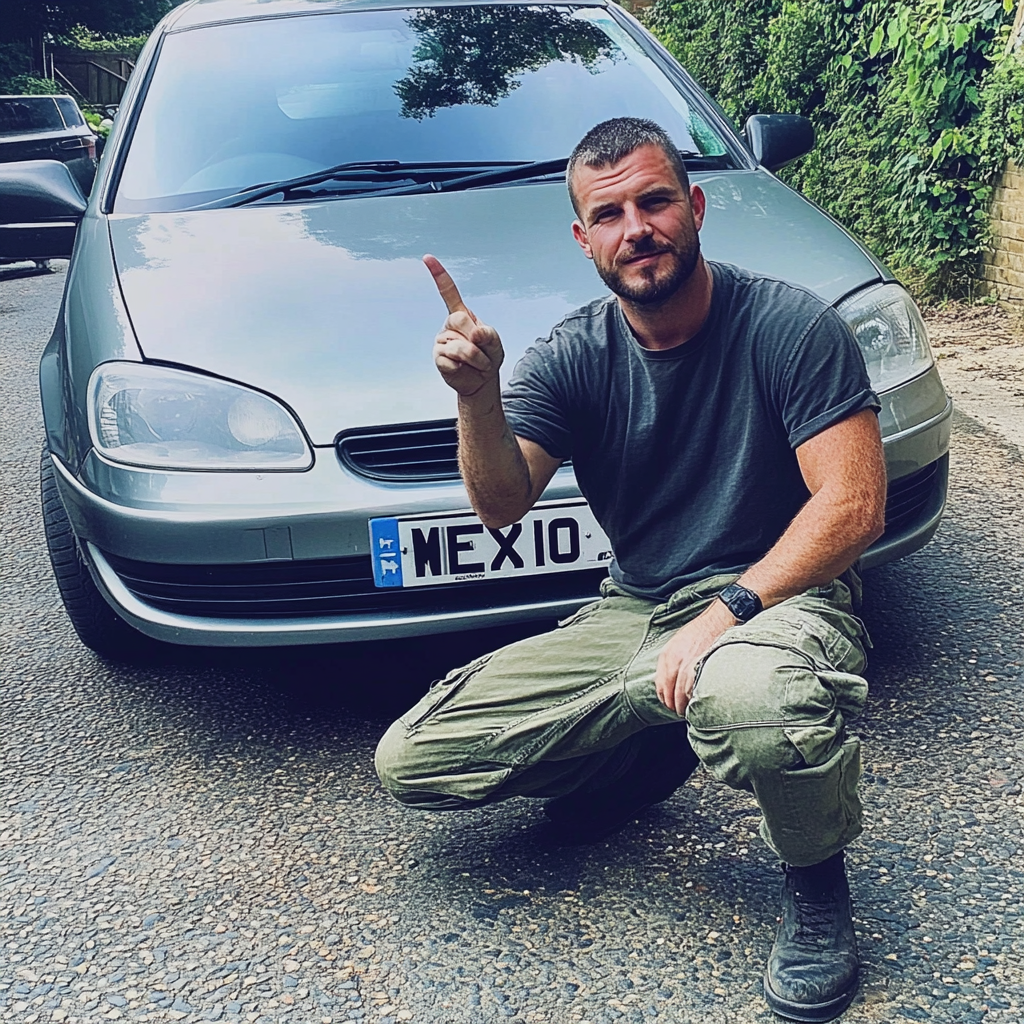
x=204, y=839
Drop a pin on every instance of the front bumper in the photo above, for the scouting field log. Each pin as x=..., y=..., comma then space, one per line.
x=281, y=563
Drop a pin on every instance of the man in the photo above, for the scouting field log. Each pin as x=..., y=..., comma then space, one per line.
x=723, y=429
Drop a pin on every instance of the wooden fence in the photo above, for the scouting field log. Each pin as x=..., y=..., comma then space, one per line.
x=94, y=78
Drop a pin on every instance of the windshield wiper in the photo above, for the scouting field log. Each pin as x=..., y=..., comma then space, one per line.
x=439, y=178
x=355, y=170
x=517, y=172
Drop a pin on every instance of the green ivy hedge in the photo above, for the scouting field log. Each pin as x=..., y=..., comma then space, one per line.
x=916, y=104
x=78, y=37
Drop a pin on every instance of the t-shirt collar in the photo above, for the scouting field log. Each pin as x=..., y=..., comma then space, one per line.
x=689, y=349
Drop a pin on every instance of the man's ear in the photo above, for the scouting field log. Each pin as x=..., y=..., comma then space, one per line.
x=699, y=205
x=579, y=232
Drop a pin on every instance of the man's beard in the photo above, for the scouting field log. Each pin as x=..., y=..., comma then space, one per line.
x=653, y=289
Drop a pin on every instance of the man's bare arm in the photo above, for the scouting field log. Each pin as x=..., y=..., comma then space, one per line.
x=504, y=474
x=844, y=469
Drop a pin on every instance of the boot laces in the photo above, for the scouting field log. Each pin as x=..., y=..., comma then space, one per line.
x=815, y=918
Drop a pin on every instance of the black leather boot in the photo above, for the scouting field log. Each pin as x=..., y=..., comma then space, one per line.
x=663, y=763
x=812, y=970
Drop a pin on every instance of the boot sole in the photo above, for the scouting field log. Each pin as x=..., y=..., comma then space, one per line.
x=809, y=1013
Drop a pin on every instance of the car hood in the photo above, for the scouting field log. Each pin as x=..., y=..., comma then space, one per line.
x=328, y=307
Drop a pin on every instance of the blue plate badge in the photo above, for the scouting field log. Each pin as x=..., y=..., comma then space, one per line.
x=386, y=552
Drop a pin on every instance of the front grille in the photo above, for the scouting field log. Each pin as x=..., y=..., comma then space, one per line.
x=327, y=587
x=412, y=451
x=404, y=452
x=909, y=495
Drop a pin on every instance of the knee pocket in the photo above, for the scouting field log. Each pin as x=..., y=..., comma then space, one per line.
x=767, y=707
x=819, y=801
x=774, y=678
x=747, y=685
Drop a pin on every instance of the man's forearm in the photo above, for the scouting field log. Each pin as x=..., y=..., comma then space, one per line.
x=844, y=469
x=493, y=467
x=825, y=539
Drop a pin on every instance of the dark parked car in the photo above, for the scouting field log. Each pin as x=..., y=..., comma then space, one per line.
x=246, y=440
x=50, y=128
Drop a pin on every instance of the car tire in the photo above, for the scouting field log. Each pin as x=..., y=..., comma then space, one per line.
x=98, y=626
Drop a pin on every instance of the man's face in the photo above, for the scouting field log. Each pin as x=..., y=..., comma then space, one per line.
x=638, y=225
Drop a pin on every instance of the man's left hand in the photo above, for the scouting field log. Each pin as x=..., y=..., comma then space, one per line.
x=674, y=678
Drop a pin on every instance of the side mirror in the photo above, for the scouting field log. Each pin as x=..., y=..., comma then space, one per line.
x=41, y=206
x=778, y=139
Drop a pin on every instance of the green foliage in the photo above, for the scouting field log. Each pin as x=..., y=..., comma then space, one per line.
x=25, y=25
x=722, y=43
x=27, y=19
x=78, y=37
x=14, y=63
x=29, y=85
x=99, y=124
x=915, y=103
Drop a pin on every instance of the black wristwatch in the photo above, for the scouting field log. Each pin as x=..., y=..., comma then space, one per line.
x=743, y=603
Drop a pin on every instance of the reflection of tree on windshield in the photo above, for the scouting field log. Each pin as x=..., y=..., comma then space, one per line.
x=473, y=54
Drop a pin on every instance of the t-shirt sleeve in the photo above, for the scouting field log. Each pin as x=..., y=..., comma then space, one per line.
x=824, y=380
x=534, y=401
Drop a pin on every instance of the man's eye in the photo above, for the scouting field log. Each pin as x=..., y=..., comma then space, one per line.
x=606, y=215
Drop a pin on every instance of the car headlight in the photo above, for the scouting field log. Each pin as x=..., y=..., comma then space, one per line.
x=890, y=332
x=156, y=416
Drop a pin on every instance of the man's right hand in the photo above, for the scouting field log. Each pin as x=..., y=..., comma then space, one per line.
x=467, y=353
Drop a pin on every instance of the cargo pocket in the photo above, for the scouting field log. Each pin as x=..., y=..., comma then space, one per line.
x=592, y=719
x=816, y=811
x=441, y=692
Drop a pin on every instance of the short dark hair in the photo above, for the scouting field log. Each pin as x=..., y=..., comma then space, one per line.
x=611, y=141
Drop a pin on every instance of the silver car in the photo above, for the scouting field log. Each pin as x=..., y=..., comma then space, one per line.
x=246, y=440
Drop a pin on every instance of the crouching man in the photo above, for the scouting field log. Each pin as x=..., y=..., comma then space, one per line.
x=724, y=431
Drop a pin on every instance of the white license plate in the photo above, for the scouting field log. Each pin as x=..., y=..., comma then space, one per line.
x=423, y=551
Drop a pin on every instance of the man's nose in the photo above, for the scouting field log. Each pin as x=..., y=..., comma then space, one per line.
x=635, y=225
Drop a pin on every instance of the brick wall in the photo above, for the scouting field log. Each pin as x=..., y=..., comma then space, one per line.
x=1002, y=270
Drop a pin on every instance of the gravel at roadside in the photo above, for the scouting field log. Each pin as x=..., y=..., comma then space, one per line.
x=980, y=350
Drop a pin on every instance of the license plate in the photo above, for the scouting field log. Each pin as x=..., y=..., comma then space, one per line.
x=455, y=547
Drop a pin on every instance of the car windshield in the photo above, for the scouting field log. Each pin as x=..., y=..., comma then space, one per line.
x=249, y=103
x=21, y=115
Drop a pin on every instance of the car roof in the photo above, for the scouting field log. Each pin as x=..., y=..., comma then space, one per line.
x=215, y=12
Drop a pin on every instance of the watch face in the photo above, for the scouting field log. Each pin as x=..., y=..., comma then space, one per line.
x=743, y=603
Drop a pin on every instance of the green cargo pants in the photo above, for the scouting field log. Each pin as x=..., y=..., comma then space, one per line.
x=566, y=710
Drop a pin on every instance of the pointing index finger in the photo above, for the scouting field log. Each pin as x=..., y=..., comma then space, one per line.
x=445, y=285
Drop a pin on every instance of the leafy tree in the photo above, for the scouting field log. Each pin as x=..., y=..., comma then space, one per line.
x=27, y=26
x=473, y=54
x=23, y=20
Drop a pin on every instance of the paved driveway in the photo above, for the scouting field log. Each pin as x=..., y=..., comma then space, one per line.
x=205, y=839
